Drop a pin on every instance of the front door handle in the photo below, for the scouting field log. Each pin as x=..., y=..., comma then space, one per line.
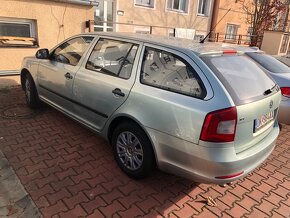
x=117, y=92
x=68, y=76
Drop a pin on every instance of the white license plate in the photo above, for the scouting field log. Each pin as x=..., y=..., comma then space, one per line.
x=263, y=120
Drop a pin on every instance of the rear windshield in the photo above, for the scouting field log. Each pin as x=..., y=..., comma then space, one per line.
x=270, y=63
x=241, y=76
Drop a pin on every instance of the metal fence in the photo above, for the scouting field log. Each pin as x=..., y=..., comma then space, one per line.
x=236, y=39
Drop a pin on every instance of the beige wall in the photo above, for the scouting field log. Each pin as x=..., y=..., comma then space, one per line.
x=271, y=42
x=48, y=16
x=160, y=16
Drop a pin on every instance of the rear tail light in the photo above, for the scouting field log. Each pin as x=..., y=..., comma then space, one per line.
x=220, y=126
x=285, y=91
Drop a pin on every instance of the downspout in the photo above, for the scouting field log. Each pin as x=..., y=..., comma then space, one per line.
x=214, y=19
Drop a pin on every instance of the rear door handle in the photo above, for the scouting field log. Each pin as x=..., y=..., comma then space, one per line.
x=68, y=75
x=118, y=92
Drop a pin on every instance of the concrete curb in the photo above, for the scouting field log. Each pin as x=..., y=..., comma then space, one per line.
x=14, y=200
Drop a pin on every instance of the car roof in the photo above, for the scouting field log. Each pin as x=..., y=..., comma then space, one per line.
x=177, y=43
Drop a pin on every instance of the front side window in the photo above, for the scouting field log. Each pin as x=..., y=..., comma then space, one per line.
x=170, y=72
x=113, y=57
x=17, y=33
x=231, y=32
x=145, y=3
x=177, y=5
x=70, y=52
x=202, y=7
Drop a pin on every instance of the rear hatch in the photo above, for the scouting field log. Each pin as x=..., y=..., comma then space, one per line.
x=255, y=94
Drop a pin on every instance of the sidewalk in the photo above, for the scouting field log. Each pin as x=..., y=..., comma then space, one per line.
x=14, y=200
x=8, y=81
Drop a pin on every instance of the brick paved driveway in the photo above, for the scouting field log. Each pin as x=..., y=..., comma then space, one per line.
x=70, y=172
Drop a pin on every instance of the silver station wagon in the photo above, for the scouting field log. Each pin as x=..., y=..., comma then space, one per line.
x=194, y=110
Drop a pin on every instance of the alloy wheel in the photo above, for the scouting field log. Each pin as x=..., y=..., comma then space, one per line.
x=129, y=150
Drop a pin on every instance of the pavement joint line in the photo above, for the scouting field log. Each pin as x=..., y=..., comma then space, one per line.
x=280, y=207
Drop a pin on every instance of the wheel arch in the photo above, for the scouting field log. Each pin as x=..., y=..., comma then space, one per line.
x=124, y=118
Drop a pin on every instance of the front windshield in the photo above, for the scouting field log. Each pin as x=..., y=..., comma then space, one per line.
x=269, y=63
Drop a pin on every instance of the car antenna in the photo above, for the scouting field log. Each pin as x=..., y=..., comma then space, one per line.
x=202, y=41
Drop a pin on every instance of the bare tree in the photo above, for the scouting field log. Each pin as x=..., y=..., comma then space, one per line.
x=262, y=14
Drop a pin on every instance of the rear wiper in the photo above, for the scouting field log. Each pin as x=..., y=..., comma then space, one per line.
x=269, y=91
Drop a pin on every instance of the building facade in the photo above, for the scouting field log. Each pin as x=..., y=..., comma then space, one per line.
x=26, y=26
x=185, y=18
x=229, y=21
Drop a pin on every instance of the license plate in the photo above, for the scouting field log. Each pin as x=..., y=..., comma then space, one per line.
x=263, y=120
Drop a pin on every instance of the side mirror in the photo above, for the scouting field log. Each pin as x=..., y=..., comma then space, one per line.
x=42, y=54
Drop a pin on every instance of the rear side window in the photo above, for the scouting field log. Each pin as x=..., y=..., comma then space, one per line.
x=268, y=62
x=170, y=72
x=245, y=81
x=113, y=57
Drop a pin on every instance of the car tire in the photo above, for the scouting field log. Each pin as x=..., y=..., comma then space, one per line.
x=133, y=150
x=31, y=94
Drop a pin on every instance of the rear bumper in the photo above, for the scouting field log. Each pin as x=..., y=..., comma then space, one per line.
x=203, y=163
x=284, y=111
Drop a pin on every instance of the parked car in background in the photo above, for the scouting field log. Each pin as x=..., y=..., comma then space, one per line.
x=195, y=110
x=281, y=74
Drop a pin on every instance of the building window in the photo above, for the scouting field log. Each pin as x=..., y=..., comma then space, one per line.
x=202, y=7
x=284, y=45
x=17, y=33
x=249, y=34
x=231, y=33
x=177, y=5
x=145, y=3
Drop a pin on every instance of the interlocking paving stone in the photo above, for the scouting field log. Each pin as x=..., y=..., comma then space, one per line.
x=69, y=171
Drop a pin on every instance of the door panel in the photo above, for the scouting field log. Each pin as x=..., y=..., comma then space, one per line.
x=56, y=76
x=104, y=82
x=54, y=86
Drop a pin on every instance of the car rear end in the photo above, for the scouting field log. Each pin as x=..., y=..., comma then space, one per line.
x=284, y=109
x=280, y=72
x=239, y=138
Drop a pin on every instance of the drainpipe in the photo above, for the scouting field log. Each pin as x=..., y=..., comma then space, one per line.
x=214, y=18
x=80, y=2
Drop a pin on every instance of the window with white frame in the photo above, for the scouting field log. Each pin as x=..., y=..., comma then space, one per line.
x=145, y=3
x=203, y=7
x=178, y=5
x=17, y=32
x=231, y=32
